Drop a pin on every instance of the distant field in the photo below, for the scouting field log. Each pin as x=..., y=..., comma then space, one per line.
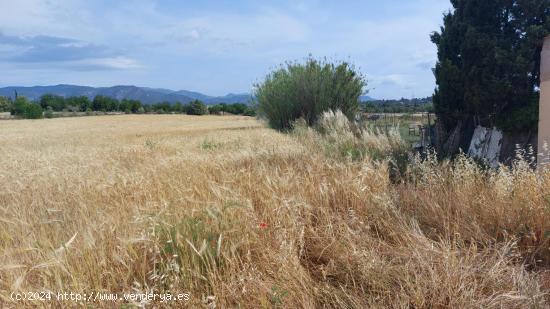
x=234, y=214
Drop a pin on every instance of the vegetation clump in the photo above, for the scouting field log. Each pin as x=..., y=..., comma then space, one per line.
x=197, y=107
x=21, y=107
x=5, y=104
x=306, y=90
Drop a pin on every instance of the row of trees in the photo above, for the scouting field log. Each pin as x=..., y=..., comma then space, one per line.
x=48, y=103
x=416, y=105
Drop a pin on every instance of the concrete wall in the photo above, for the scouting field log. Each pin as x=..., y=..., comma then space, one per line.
x=485, y=145
x=544, y=106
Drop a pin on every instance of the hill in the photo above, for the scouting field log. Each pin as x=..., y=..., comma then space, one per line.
x=366, y=98
x=143, y=94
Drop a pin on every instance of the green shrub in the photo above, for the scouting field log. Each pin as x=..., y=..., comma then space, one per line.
x=18, y=106
x=33, y=111
x=25, y=109
x=5, y=104
x=299, y=90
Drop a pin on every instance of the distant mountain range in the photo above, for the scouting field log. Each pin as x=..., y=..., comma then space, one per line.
x=143, y=94
x=366, y=98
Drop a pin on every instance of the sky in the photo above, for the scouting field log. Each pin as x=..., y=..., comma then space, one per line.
x=216, y=47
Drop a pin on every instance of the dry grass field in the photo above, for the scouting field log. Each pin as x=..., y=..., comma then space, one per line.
x=238, y=215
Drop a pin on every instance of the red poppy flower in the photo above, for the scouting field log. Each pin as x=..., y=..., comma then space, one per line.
x=262, y=225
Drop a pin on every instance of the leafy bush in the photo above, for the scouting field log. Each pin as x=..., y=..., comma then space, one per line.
x=5, y=104
x=299, y=90
x=18, y=106
x=25, y=109
x=33, y=111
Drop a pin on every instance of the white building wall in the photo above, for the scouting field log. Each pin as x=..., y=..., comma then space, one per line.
x=544, y=106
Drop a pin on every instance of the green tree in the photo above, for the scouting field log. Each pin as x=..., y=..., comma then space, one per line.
x=33, y=111
x=112, y=105
x=19, y=106
x=236, y=108
x=25, y=109
x=99, y=103
x=125, y=105
x=57, y=103
x=77, y=103
x=178, y=107
x=5, y=104
x=299, y=90
x=162, y=108
x=223, y=107
x=129, y=106
x=215, y=109
x=135, y=106
x=489, y=60
x=197, y=107
x=84, y=103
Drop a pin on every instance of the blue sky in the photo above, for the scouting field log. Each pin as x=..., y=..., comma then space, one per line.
x=215, y=47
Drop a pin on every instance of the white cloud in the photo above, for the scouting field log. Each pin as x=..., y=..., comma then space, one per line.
x=67, y=18
x=49, y=51
x=193, y=35
x=116, y=63
x=148, y=34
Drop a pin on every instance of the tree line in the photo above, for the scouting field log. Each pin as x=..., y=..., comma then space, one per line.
x=416, y=105
x=49, y=103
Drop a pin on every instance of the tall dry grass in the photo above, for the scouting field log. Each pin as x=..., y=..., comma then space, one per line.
x=241, y=216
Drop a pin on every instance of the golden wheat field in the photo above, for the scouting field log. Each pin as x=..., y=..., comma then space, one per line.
x=236, y=215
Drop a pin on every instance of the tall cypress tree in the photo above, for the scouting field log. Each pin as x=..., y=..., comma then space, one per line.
x=488, y=62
